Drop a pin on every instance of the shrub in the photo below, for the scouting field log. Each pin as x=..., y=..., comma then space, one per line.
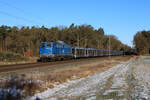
x=9, y=56
x=17, y=88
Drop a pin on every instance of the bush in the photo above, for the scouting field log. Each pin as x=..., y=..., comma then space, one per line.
x=17, y=88
x=9, y=56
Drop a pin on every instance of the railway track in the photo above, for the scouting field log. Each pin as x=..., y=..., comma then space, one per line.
x=16, y=67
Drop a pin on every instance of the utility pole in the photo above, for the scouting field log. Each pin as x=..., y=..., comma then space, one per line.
x=109, y=46
x=78, y=41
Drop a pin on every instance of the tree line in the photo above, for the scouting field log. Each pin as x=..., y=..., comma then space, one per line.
x=27, y=39
x=142, y=42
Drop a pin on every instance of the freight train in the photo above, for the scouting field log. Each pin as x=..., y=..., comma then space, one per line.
x=59, y=50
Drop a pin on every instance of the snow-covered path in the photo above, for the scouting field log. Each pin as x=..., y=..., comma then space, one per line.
x=121, y=82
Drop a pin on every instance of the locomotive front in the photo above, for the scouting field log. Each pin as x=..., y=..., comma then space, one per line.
x=45, y=51
x=55, y=51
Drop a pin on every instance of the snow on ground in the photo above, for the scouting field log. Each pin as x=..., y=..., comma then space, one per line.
x=126, y=81
x=119, y=82
x=141, y=75
x=88, y=86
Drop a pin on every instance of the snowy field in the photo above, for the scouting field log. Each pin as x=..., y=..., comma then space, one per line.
x=126, y=81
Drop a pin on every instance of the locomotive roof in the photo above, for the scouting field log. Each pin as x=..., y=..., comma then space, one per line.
x=57, y=42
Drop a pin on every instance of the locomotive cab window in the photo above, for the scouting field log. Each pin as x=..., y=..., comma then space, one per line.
x=48, y=45
x=42, y=45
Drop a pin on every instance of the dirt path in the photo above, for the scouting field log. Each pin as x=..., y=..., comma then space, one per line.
x=127, y=81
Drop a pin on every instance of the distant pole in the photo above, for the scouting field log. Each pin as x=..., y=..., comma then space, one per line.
x=109, y=46
x=78, y=41
x=124, y=50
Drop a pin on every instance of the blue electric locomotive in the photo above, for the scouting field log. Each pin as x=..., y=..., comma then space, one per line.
x=60, y=50
x=55, y=51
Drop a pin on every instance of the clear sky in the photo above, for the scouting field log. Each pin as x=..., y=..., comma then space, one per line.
x=122, y=18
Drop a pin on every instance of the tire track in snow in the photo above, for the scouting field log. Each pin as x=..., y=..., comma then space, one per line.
x=120, y=87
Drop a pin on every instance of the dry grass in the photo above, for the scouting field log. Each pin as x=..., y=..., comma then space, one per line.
x=18, y=87
x=29, y=84
x=59, y=76
x=29, y=60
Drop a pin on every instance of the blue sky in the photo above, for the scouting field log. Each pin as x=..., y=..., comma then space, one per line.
x=122, y=18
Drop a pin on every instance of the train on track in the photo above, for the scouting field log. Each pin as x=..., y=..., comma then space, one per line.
x=59, y=50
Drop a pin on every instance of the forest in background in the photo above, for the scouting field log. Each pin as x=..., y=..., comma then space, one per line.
x=25, y=40
x=142, y=42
